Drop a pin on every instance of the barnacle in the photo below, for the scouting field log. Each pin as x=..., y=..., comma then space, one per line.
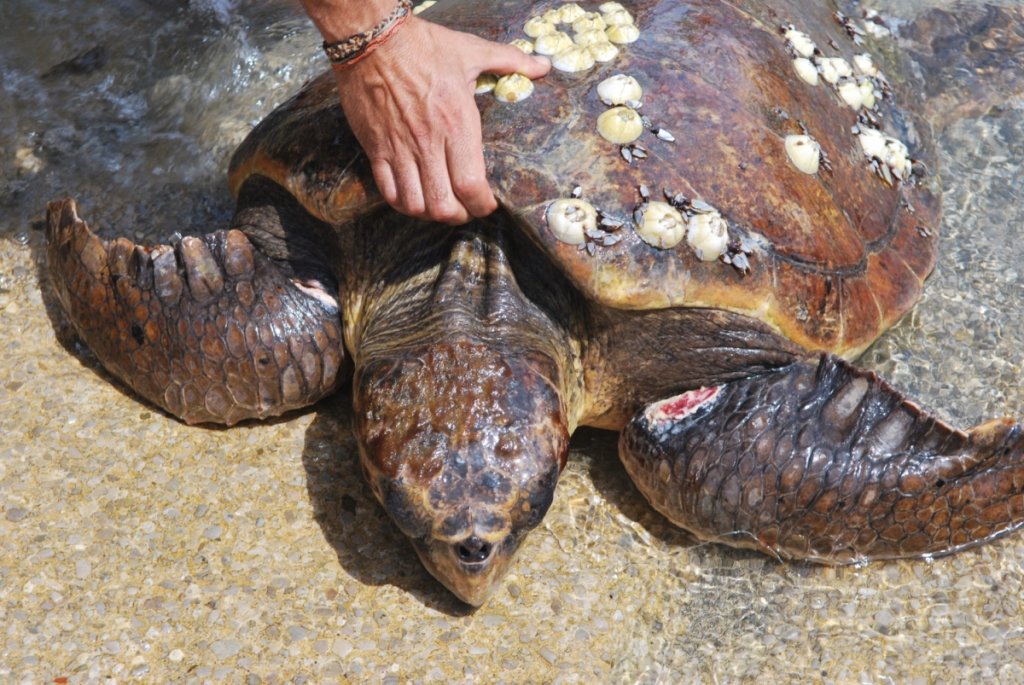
x=513, y=88
x=603, y=51
x=485, y=83
x=623, y=34
x=575, y=58
x=708, y=234
x=800, y=42
x=662, y=225
x=552, y=43
x=569, y=219
x=620, y=125
x=619, y=89
x=804, y=152
x=806, y=70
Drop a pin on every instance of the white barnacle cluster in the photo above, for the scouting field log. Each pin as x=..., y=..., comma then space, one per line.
x=889, y=157
x=664, y=224
x=576, y=39
x=572, y=37
x=623, y=124
x=859, y=85
x=799, y=42
x=661, y=224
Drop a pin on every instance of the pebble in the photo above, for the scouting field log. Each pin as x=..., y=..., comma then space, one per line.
x=342, y=648
x=27, y=161
x=225, y=649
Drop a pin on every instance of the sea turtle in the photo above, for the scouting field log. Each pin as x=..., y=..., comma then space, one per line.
x=759, y=229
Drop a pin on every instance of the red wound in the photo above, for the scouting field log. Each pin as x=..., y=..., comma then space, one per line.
x=687, y=402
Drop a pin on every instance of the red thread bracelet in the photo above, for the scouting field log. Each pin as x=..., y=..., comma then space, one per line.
x=350, y=51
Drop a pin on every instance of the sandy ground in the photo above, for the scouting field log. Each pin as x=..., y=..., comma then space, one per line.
x=136, y=549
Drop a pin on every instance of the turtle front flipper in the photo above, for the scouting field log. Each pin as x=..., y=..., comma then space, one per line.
x=211, y=330
x=825, y=462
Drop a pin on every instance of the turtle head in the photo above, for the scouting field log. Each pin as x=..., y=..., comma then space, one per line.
x=463, y=447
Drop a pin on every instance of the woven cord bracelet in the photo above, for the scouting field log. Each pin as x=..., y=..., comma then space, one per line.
x=351, y=50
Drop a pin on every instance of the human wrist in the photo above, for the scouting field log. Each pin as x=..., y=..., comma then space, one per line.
x=338, y=19
x=353, y=49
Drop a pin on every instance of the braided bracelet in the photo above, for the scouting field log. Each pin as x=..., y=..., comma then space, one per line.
x=351, y=50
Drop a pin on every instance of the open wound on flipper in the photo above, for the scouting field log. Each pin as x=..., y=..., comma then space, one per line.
x=211, y=330
x=822, y=461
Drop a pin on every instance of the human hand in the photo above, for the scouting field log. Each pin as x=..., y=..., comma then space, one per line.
x=412, y=107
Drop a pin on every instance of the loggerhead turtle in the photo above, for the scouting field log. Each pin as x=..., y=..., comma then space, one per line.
x=711, y=211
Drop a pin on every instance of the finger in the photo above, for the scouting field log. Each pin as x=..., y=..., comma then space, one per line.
x=384, y=177
x=468, y=172
x=409, y=190
x=441, y=203
x=496, y=58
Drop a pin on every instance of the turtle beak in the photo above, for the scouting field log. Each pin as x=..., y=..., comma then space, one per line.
x=466, y=531
x=472, y=568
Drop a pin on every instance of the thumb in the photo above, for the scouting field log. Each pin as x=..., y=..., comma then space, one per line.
x=507, y=59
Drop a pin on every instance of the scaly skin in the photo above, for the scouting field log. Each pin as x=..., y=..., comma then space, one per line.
x=822, y=461
x=210, y=330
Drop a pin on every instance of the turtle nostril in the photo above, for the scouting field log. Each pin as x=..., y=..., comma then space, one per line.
x=473, y=550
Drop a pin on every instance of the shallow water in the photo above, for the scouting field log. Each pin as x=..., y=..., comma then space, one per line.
x=135, y=106
x=134, y=547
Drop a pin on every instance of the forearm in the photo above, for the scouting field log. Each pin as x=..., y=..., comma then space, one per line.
x=339, y=19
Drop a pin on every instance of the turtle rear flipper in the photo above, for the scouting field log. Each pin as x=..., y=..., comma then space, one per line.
x=825, y=462
x=211, y=330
